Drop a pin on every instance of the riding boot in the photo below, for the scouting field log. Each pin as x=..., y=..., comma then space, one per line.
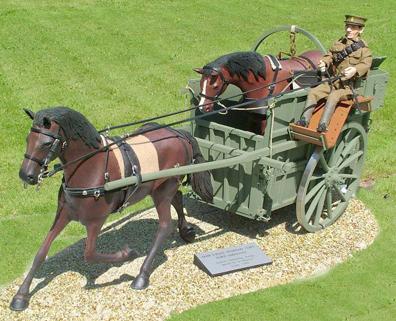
x=326, y=117
x=307, y=114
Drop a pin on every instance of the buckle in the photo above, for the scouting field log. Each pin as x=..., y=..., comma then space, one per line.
x=96, y=193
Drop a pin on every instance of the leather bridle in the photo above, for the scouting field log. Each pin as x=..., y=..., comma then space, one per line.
x=57, y=140
x=225, y=83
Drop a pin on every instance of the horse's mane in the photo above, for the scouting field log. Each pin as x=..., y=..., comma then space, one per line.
x=73, y=124
x=239, y=63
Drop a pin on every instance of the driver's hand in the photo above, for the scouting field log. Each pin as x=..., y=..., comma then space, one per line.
x=349, y=72
x=322, y=66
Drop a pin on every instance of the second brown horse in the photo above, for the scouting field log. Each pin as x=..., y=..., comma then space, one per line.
x=257, y=76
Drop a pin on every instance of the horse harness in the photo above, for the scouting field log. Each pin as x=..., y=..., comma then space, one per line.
x=131, y=164
x=131, y=167
x=276, y=67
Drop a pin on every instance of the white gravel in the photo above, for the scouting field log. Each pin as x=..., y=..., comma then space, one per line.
x=69, y=289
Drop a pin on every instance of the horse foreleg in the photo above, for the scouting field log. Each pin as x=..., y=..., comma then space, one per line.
x=164, y=230
x=21, y=299
x=186, y=231
x=90, y=254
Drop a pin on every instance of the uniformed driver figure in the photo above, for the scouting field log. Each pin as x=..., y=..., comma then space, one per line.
x=349, y=58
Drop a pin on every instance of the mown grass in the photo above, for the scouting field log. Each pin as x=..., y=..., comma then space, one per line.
x=120, y=61
x=363, y=288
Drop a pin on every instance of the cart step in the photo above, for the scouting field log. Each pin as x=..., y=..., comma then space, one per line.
x=328, y=139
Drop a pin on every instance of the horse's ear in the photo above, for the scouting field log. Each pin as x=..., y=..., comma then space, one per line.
x=47, y=122
x=198, y=70
x=29, y=113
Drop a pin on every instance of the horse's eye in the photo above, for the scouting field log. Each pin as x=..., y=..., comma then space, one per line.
x=212, y=80
x=46, y=145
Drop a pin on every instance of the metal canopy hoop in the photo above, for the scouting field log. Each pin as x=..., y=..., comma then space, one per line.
x=292, y=28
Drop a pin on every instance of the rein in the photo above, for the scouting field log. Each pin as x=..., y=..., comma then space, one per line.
x=107, y=129
x=60, y=167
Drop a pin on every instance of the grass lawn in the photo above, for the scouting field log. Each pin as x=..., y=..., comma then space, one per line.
x=120, y=61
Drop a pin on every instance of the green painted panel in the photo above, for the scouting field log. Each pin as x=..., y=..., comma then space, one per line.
x=375, y=85
x=253, y=189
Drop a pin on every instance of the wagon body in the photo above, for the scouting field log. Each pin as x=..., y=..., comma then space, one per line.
x=254, y=189
x=252, y=175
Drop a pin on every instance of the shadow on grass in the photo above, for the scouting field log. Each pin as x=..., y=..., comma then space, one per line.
x=138, y=235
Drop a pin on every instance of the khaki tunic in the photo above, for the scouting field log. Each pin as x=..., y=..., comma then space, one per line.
x=361, y=59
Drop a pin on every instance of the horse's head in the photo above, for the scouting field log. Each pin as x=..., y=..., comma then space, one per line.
x=44, y=143
x=213, y=84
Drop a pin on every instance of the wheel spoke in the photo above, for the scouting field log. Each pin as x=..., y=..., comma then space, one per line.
x=341, y=194
x=323, y=162
x=330, y=156
x=314, y=203
x=348, y=149
x=329, y=203
x=337, y=153
x=314, y=191
x=315, y=177
x=350, y=159
x=319, y=208
x=353, y=176
x=347, y=135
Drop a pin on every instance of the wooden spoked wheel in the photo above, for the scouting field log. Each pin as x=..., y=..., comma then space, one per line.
x=330, y=179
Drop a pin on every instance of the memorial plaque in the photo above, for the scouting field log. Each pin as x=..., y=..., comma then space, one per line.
x=232, y=259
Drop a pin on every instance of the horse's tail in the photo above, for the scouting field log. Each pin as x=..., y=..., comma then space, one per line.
x=200, y=182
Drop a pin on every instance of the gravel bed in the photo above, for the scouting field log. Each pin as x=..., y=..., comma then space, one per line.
x=66, y=288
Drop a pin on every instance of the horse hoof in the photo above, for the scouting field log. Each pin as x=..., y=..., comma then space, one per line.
x=187, y=233
x=140, y=283
x=19, y=303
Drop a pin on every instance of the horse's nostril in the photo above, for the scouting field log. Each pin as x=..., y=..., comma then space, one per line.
x=30, y=178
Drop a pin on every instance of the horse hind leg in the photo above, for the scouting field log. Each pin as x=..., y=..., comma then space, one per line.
x=186, y=230
x=92, y=256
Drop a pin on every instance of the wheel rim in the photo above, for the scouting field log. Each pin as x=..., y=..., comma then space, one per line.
x=330, y=179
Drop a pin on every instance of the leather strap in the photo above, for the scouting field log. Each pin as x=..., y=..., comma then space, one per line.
x=132, y=168
x=340, y=56
x=34, y=159
x=277, y=65
x=84, y=192
x=46, y=133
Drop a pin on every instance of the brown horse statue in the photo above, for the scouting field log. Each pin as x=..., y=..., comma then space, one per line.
x=66, y=134
x=258, y=77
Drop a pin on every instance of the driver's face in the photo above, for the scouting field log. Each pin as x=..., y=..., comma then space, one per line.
x=352, y=31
